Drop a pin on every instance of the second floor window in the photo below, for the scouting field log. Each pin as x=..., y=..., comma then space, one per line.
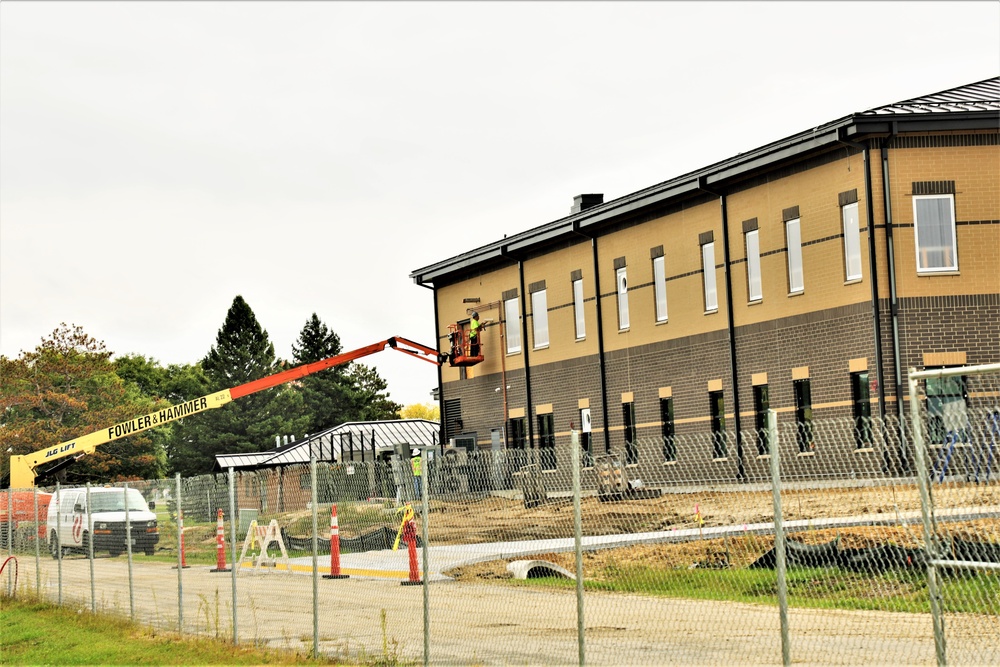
x=708, y=268
x=852, y=242
x=581, y=326
x=754, y=288
x=660, y=288
x=934, y=228
x=793, y=242
x=512, y=324
x=540, y=318
x=622, y=281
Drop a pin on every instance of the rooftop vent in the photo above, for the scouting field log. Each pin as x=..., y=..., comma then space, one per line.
x=583, y=202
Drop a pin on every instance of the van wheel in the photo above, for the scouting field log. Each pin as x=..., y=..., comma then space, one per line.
x=54, y=546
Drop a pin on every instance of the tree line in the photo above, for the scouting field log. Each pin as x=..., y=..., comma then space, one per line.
x=71, y=384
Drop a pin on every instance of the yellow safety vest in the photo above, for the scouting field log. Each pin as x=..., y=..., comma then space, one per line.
x=415, y=464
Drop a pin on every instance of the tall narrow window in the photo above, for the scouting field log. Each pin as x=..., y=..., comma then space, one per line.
x=852, y=241
x=708, y=269
x=546, y=442
x=751, y=235
x=667, y=429
x=622, y=282
x=717, y=407
x=793, y=243
x=761, y=404
x=631, y=446
x=581, y=324
x=861, y=410
x=512, y=324
x=540, y=318
x=660, y=287
x=803, y=415
x=517, y=441
x=934, y=227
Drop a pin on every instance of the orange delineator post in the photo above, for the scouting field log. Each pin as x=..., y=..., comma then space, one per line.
x=334, y=547
x=220, y=541
x=180, y=527
x=410, y=537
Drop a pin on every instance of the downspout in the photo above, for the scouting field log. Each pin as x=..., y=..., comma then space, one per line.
x=872, y=270
x=893, y=296
x=601, y=362
x=442, y=436
x=524, y=347
x=731, y=325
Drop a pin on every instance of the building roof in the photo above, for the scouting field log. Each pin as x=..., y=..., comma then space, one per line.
x=974, y=106
x=329, y=445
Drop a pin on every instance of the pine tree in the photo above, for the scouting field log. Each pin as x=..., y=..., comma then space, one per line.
x=242, y=353
x=328, y=395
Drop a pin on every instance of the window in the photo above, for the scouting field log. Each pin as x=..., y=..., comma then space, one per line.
x=622, y=282
x=631, y=446
x=516, y=433
x=852, y=241
x=708, y=268
x=512, y=324
x=586, y=442
x=546, y=442
x=660, y=288
x=540, y=318
x=861, y=410
x=793, y=242
x=581, y=329
x=934, y=226
x=947, y=410
x=717, y=407
x=753, y=265
x=667, y=429
x=803, y=415
x=761, y=404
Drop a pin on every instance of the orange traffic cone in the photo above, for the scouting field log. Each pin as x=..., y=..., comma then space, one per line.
x=334, y=547
x=220, y=542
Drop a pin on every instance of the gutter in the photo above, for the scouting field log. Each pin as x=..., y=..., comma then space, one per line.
x=873, y=272
x=601, y=361
x=893, y=296
x=731, y=324
x=442, y=436
x=524, y=348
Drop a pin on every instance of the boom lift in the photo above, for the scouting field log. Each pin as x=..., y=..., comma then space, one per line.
x=24, y=469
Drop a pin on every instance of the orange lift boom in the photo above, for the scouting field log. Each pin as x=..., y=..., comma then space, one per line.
x=23, y=469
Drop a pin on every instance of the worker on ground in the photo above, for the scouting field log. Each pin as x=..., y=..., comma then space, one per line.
x=474, y=335
x=416, y=462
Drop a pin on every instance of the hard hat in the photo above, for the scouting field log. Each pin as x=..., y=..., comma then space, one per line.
x=415, y=452
x=475, y=315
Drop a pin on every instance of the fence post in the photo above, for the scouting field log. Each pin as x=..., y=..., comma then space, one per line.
x=425, y=474
x=315, y=555
x=128, y=552
x=38, y=545
x=578, y=543
x=90, y=554
x=180, y=554
x=57, y=542
x=232, y=533
x=926, y=509
x=779, y=535
x=10, y=537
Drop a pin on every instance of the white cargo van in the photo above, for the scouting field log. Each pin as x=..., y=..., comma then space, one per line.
x=68, y=527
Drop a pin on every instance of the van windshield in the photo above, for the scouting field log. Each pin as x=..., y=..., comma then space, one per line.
x=114, y=501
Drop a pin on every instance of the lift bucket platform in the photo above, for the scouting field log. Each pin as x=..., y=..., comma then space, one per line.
x=462, y=352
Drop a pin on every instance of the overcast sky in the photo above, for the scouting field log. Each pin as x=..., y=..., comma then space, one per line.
x=157, y=159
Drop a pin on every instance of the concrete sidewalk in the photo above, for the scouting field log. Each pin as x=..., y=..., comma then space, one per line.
x=395, y=564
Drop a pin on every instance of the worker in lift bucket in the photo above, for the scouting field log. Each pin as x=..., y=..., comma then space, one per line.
x=416, y=462
x=474, y=327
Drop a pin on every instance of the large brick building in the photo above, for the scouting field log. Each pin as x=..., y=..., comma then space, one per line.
x=806, y=276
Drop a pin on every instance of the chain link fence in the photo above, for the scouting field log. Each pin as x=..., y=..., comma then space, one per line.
x=833, y=551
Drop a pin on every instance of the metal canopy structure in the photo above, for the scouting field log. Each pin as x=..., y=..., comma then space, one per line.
x=351, y=441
